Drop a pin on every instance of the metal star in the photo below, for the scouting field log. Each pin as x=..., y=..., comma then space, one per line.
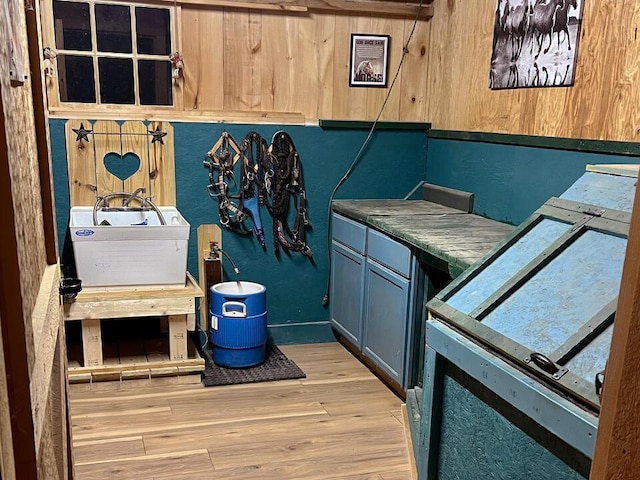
x=157, y=135
x=82, y=133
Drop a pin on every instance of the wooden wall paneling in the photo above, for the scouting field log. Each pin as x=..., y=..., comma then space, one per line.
x=178, y=84
x=375, y=96
x=28, y=287
x=7, y=468
x=627, y=110
x=601, y=105
x=316, y=34
x=41, y=124
x=134, y=140
x=466, y=95
x=23, y=171
x=600, y=61
x=203, y=49
x=476, y=40
x=80, y=164
x=46, y=321
x=340, y=83
x=348, y=102
x=280, y=61
x=162, y=175
x=607, y=106
x=414, y=81
x=106, y=140
x=442, y=56
x=49, y=65
x=54, y=444
x=242, y=60
x=444, y=49
x=389, y=8
x=617, y=449
x=17, y=337
x=275, y=47
x=207, y=233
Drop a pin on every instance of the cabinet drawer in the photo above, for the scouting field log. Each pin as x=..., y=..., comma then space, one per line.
x=350, y=233
x=389, y=253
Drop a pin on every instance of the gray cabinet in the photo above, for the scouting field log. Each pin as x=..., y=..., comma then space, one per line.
x=372, y=295
x=347, y=282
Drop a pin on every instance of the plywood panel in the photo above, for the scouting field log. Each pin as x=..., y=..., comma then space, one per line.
x=28, y=299
x=7, y=469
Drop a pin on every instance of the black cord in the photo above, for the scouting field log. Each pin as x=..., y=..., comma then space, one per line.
x=356, y=160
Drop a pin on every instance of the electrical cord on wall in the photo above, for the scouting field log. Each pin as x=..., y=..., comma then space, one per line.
x=356, y=160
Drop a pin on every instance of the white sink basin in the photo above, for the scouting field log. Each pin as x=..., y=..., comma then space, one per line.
x=132, y=249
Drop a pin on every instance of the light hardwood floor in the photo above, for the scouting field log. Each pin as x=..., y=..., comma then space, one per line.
x=338, y=423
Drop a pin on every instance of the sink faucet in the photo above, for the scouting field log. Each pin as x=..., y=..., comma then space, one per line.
x=127, y=200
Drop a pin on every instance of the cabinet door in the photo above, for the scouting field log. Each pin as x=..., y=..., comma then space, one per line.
x=386, y=316
x=347, y=291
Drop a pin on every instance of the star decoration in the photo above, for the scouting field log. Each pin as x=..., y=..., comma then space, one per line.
x=157, y=135
x=82, y=133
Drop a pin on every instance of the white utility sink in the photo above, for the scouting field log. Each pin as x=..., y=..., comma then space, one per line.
x=129, y=247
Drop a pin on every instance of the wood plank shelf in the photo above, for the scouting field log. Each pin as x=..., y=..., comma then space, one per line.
x=95, y=304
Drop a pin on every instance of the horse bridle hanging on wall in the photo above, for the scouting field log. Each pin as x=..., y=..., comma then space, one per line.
x=270, y=176
x=286, y=184
x=222, y=159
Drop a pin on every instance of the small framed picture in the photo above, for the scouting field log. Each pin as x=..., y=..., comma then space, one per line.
x=369, y=60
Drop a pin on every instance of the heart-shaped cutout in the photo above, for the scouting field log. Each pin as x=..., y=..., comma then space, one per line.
x=122, y=166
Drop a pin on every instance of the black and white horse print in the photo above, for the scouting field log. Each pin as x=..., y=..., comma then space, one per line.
x=524, y=52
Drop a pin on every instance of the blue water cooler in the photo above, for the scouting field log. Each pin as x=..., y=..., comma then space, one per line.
x=238, y=333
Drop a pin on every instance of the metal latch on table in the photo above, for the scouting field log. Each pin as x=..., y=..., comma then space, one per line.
x=589, y=214
x=545, y=364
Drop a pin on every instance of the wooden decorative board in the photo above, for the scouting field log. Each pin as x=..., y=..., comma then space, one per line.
x=105, y=156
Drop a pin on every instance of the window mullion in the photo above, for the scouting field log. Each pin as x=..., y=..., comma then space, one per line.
x=94, y=48
x=134, y=44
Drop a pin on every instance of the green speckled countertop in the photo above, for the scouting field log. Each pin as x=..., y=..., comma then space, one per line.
x=437, y=233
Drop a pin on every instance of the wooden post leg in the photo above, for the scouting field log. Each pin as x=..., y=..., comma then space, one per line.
x=178, y=337
x=92, y=343
x=617, y=450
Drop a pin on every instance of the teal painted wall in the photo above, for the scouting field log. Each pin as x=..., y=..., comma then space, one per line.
x=481, y=437
x=393, y=163
x=509, y=182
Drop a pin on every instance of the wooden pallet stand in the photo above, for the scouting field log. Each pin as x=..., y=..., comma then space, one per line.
x=176, y=304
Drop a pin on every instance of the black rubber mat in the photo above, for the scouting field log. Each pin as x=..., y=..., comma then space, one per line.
x=276, y=366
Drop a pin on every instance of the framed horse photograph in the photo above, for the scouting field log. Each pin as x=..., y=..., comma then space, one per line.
x=535, y=43
x=369, y=60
